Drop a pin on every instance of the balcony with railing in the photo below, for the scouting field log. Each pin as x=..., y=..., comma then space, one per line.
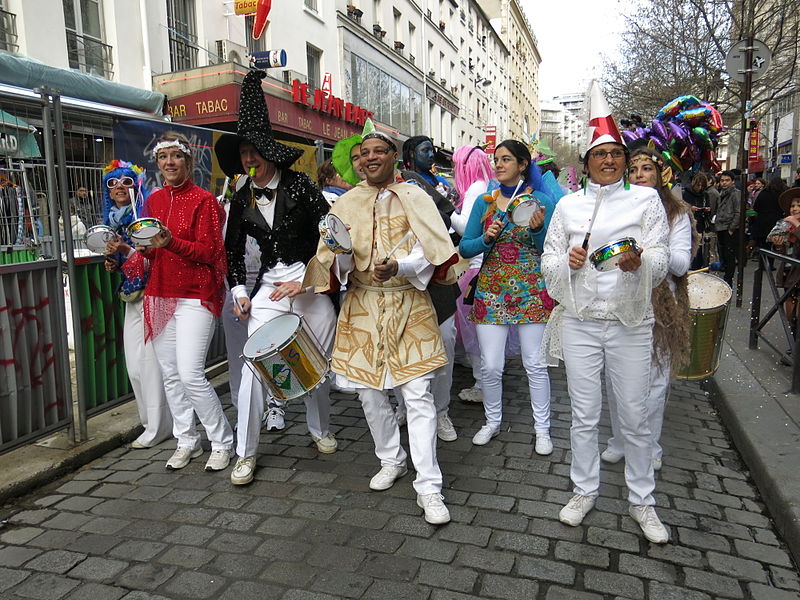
x=89, y=55
x=8, y=31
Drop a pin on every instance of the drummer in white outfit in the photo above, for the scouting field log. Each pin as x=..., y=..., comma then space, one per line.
x=280, y=209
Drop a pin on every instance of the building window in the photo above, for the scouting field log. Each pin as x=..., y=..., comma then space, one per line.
x=311, y=5
x=376, y=10
x=182, y=34
x=314, y=66
x=8, y=30
x=391, y=101
x=259, y=45
x=85, y=48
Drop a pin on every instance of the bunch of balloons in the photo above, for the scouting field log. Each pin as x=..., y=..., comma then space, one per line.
x=686, y=131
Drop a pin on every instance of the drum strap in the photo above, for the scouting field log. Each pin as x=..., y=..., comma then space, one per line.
x=377, y=288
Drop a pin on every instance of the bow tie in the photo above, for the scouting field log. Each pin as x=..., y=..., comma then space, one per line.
x=258, y=192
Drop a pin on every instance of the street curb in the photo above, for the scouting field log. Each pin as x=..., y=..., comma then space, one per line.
x=33, y=465
x=766, y=438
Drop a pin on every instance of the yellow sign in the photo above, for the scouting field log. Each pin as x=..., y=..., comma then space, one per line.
x=245, y=7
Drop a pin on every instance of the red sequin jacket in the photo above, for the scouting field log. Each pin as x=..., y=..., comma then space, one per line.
x=193, y=264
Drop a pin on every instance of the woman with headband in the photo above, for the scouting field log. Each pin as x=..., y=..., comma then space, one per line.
x=120, y=178
x=670, y=303
x=510, y=288
x=184, y=295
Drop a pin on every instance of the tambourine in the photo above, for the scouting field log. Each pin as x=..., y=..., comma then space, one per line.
x=521, y=209
x=333, y=232
x=141, y=231
x=98, y=236
x=606, y=258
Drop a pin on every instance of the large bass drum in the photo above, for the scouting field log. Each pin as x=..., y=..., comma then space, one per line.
x=709, y=297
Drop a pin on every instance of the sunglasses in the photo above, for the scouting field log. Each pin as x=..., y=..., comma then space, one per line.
x=115, y=181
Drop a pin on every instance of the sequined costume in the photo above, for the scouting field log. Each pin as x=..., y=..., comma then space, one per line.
x=193, y=264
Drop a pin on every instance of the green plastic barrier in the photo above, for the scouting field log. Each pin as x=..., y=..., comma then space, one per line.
x=102, y=317
x=10, y=255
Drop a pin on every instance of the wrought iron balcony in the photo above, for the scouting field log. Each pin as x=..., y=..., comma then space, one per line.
x=8, y=31
x=89, y=55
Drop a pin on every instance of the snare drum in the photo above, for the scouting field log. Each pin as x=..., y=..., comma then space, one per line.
x=607, y=257
x=521, y=209
x=98, y=236
x=141, y=231
x=285, y=357
x=333, y=232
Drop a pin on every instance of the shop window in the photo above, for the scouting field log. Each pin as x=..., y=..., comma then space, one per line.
x=259, y=45
x=85, y=48
x=182, y=34
x=314, y=66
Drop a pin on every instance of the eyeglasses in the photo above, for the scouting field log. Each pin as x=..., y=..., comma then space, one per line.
x=115, y=181
x=616, y=153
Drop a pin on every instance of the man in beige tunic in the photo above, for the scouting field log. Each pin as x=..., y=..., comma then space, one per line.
x=387, y=336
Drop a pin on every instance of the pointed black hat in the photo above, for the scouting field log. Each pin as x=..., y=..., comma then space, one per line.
x=254, y=127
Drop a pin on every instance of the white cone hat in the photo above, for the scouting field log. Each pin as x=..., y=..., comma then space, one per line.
x=602, y=127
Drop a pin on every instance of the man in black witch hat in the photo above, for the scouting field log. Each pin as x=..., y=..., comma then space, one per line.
x=281, y=210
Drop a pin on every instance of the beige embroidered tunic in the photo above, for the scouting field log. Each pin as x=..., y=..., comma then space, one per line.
x=386, y=328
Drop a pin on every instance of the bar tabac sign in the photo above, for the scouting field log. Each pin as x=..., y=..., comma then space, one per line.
x=245, y=7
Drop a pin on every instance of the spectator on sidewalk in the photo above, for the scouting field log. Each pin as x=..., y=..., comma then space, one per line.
x=725, y=219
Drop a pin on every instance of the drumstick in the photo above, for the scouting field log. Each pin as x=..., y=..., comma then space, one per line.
x=591, y=223
x=225, y=188
x=133, y=202
x=703, y=270
x=408, y=234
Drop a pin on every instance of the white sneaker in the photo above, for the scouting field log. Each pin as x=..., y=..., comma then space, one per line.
x=181, y=458
x=544, y=446
x=651, y=525
x=436, y=512
x=218, y=460
x=401, y=416
x=657, y=464
x=473, y=394
x=576, y=509
x=611, y=456
x=385, y=478
x=273, y=418
x=484, y=435
x=325, y=445
x=445, y=429
x=243, y=470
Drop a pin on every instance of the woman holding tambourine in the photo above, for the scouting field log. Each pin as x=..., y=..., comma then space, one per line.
x=183, y=296
x=509, y=227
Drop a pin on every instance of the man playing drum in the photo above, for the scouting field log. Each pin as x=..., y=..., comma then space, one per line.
x=280, y=209
x=387, y=336
x=605, y=318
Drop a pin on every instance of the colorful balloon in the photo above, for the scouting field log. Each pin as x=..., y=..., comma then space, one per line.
x=703, y=138
x=694, y=116
x=658, y=129
x=630, y=136
x=672, y=108
x=677, y=131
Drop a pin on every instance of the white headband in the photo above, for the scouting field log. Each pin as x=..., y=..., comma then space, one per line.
x=171, y=144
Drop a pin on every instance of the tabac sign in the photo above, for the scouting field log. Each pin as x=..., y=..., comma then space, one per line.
x=328, y=104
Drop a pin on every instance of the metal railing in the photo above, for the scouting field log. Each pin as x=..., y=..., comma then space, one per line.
x=8, y=31
x=89, y=55
x=758, y=323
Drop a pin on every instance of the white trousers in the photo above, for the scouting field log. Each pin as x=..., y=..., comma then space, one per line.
x=235, y=337
x=656, y=403
x=320, y=318
x=181, y=350
x=421, y=430
x=492, y=340
x=146, y=379
x=589, y=346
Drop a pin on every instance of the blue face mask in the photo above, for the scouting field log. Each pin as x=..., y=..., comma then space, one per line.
x=423, y=157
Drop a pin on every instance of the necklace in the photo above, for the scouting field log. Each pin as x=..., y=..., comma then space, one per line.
x=265, y=203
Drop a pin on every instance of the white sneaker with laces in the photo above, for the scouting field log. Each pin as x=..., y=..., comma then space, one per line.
x=651, y=525
x=544, y=445
x=273, y=418
x=576, y=509
x=325, y=445
x=611, y=456
x=473, y=394
x=657, y=464
x=484, y=435
x=181, y=458
x=243, y=470
x=218, y=460
x=436, y=512
x=401, y=416
x=445, y=429
x=385, y=478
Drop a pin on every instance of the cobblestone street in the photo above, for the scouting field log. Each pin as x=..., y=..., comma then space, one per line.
x=309, y=528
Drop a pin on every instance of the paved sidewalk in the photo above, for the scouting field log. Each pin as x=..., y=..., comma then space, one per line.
x=308, y=528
